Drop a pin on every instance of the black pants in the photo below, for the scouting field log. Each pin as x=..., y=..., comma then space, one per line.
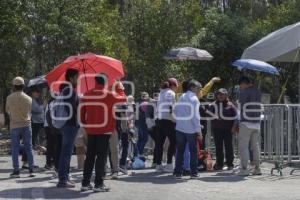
x=125, y=146
x=36, y=127
x=57, y=143
x=221, y=138
x=154, y=135
x=166, y=128
x=97, y=149
x=50, y=154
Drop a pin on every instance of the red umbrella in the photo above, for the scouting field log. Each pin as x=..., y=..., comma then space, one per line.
x=88, y=65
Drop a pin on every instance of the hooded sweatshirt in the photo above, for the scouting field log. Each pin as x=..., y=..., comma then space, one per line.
x=165, y=104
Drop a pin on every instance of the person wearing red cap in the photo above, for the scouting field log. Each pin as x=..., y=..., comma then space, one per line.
x=166, y=125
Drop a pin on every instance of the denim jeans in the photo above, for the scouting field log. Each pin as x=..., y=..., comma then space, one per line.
x=26, y=134
x=143, y=138
x=182, y=139
x=186, y=158
x=68, y=138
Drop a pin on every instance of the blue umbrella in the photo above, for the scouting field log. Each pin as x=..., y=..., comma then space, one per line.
x=255, y=65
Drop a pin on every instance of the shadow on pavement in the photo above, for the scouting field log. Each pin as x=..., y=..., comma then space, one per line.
x=33, y=180
x=275, y=177
x=223, y=177
x=6, y=171
x=155, y=178
x=41, y=193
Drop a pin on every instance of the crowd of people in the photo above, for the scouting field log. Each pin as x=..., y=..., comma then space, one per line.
x=103, y=123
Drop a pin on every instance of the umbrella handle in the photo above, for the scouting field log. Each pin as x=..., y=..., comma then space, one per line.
x=282, y=91
x=259, y=77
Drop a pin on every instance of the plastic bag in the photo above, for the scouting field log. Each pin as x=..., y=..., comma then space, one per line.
x=138, y=163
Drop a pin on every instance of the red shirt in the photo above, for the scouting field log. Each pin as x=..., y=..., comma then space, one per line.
x=97, y=110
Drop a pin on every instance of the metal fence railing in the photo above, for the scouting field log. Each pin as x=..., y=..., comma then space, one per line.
x=280, y=137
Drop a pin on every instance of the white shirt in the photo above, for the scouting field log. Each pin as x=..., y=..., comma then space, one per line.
x=187, y=113
x=165, y=104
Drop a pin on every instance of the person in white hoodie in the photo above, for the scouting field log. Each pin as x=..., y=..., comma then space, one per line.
x=166, y=124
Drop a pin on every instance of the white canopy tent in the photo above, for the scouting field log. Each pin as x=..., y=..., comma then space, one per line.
x=282, y=45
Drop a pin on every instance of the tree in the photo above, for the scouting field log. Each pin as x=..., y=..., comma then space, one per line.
x=150, y=29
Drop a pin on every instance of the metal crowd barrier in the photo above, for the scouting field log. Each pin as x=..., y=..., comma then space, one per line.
x=280, y=136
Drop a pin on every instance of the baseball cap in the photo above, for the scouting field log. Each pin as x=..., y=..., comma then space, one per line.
x=173, y=81
x=18, y=81
x=222, y=91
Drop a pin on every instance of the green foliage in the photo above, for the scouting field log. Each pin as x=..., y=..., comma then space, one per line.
x=150, y=29
x=36, y=35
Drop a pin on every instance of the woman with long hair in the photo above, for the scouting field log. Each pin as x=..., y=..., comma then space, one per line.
x=166, y=124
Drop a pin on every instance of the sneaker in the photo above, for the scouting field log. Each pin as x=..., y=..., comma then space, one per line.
x=178, y=176
x=54, y=175
x=72, y=182
x=101, y=188
x=168, y=168
x=159, y=168
x=194, y=176
x=85, y=188
x=48, y=167
x=114, y=175
x=256, y=172
x=242, y=172
x=227, y=168
x=218, y=168
x=251, y=167
x=25, y=166
x=153, y=166
x=15, y=174
x=123, y=169
x=186, y=172
x=236, y=169
x=65, y=185
x=31, y=174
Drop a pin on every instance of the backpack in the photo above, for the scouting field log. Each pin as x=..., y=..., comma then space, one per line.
x=59, y=115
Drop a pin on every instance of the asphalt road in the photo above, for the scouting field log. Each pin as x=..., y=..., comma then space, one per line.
x=148, y=185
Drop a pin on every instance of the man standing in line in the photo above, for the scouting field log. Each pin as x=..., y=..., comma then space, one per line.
x=70, y=129
x=188, y=128
x=250, y=104
x=97, y=117
x=18, y=107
